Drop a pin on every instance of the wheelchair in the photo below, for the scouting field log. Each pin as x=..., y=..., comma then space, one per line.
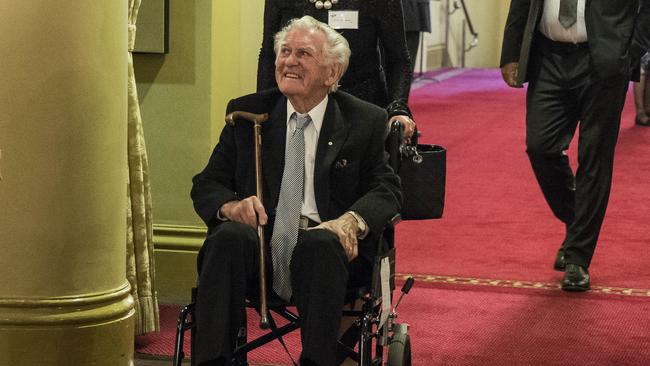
x=375, y=338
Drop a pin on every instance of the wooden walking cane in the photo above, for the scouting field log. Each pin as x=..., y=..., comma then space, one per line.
x=257, y=120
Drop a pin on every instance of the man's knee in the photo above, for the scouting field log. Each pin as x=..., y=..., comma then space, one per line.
x=232, y=231
x=227, y=239
x=539, y=151
x=319, y=243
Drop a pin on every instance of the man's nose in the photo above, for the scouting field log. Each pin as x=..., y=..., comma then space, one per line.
x=292, y=59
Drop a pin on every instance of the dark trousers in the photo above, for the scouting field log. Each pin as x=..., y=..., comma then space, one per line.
x=565, y=92
x=228, y=274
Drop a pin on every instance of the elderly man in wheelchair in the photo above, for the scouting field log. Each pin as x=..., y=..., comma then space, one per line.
x=313, y=202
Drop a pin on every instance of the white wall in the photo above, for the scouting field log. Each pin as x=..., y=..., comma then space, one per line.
x=488, y=18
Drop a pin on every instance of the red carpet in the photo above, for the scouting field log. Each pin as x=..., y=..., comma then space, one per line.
x=496, y=223
x=481, y=326
x=486, y=293
x=162, y=343
x=453, y=325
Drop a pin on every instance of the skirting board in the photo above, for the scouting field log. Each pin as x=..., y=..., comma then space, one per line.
x=175, y=249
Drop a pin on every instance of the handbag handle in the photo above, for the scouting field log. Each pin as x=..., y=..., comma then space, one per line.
x=410, y=149
x=394, y=143
x=405, y=150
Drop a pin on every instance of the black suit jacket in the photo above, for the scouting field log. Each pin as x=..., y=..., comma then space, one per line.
x=618, y=31
x=351, y=171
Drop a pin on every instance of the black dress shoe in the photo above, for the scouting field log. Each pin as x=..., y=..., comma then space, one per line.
x=576, y=278
x=642, y=119
x=559, y=264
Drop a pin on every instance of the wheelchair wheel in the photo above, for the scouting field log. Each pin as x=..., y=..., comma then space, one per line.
x=399, y=350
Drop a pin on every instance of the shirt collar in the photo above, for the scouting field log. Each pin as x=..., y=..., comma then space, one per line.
x=317, y=114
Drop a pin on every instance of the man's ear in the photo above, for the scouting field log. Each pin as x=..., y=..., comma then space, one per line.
x=333, y=75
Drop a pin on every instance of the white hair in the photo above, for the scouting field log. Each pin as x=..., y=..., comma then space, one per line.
x=336, y=49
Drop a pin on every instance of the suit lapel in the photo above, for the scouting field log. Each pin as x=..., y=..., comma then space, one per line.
x=333, y=134
x=274, y=135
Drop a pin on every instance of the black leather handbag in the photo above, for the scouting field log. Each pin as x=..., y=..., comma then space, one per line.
x=422, y=169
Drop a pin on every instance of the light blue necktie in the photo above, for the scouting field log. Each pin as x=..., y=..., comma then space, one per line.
x=287, y=217
x=568, y=13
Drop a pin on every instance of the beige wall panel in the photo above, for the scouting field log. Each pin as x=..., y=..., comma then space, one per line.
x=251, y=28
x=237, y=30
x=175, y=100
x=212, y=59
x=183, y=94
x=177, y=275
x=488, y=18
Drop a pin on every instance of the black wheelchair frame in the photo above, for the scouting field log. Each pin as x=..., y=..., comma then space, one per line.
x=367, y=329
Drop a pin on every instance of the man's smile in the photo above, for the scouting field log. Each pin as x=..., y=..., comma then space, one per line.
x=291, y=75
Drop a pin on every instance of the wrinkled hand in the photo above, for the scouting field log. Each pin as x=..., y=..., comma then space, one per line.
x=246, y=211
x=345, y=227
x=510, y=73
x=407, y=122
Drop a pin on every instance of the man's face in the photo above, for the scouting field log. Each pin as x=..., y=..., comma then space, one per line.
x=301, y=71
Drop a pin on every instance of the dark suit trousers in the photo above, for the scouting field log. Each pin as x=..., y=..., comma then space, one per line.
x=228, y=268
x=565, y=92
x=228, y=273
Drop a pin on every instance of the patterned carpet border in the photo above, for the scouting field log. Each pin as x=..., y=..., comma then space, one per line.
x=518, y=284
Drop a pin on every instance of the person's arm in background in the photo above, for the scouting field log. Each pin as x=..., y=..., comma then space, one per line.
x=399, y=69
x=512, y=38
x=266, y=60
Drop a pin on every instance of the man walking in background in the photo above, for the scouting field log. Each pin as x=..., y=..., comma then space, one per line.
x=578, y=57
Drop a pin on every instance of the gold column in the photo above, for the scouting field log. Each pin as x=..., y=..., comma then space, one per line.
x=64, y=298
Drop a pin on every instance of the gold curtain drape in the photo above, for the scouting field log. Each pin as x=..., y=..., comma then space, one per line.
x=140, y=269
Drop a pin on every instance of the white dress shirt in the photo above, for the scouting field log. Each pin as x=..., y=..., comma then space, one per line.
x=312, y=131
x=550, y=26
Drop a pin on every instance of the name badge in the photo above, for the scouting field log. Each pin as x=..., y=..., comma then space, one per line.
x=343, y=19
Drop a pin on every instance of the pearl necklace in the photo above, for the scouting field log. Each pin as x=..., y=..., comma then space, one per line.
x=327, y=4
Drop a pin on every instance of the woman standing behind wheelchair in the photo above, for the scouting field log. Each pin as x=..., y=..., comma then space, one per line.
x=369, y=26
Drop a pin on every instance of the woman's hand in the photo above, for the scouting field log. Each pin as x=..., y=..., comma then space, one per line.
x=407, y=122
